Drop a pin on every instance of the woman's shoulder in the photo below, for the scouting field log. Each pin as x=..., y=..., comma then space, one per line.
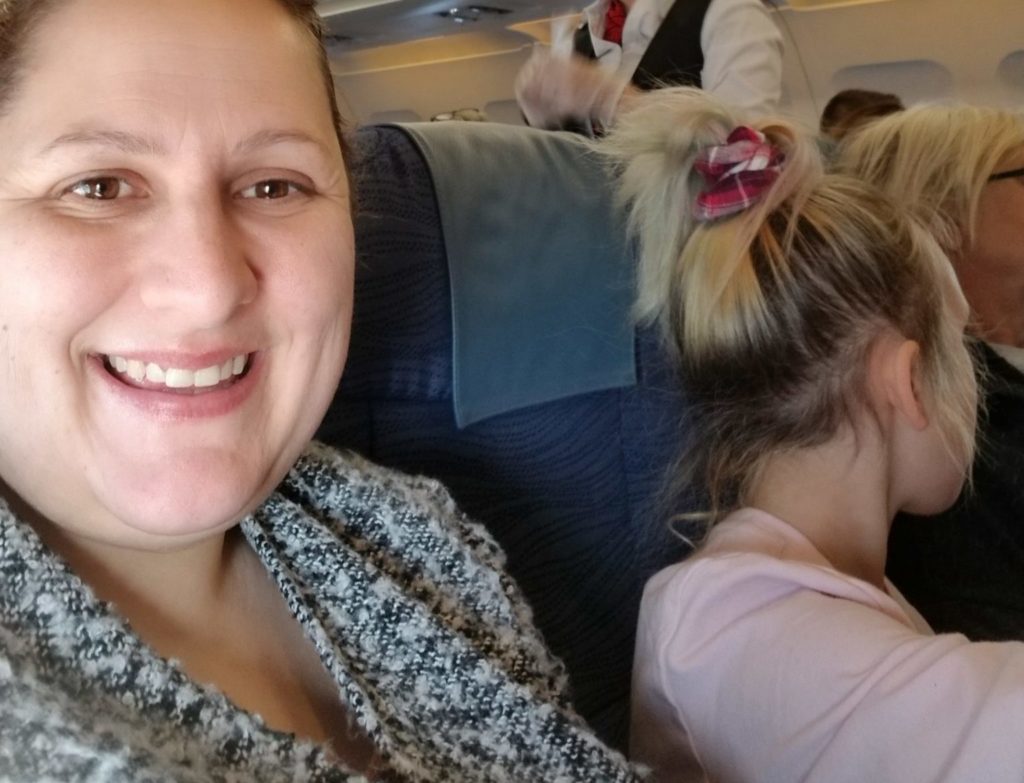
x=344, y=518
x=394, y=554
x=321, y=464
x=358, y=498
x=331, y=471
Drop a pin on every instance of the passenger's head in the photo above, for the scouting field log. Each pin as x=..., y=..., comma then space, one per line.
x=775, y=310
x=849, y=110
x=944, y=163
x=175, y=259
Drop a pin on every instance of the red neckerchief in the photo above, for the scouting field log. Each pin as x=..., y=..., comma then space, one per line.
x=614, y=20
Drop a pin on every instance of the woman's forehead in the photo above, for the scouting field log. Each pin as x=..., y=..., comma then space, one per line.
x=87, y=41
x=170, y=63
x=89, y=34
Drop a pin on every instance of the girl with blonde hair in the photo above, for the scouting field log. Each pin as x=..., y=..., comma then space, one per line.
x=820, y=334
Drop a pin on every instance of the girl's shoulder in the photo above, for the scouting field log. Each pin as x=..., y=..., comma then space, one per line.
x=753, y=562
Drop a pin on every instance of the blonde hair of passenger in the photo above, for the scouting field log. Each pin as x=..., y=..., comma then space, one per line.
x=935, y=160
x=773, y=311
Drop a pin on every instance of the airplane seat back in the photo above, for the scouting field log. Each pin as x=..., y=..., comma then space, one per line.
x=566, y=472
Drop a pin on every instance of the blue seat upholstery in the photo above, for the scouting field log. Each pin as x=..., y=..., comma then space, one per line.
x=570, y=486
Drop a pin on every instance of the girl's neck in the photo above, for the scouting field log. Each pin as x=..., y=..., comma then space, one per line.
x=838, y=496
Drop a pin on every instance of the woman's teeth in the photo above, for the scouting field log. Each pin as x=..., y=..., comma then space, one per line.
x=175, y=377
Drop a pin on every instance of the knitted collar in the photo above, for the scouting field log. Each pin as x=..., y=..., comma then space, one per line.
x=404, y=600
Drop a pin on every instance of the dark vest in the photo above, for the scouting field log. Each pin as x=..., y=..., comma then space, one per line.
x=673, y=57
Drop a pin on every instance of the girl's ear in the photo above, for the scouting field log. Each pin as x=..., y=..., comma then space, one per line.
x=902, y=368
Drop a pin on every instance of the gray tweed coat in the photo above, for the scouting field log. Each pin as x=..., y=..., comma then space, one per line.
x=429, y=641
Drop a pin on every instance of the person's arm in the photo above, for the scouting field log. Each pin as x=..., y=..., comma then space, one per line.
x=552, y=89
x=779, y=682
x=742, y=55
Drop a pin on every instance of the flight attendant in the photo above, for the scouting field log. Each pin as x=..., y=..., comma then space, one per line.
x=622, y=48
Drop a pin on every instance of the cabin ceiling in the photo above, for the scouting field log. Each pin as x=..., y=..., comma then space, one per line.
x=406, y=60
x=357, y=24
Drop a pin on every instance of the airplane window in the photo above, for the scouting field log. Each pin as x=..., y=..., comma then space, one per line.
x=1011, y=71
x=913, y=80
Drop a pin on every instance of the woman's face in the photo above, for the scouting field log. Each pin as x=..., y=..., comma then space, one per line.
x=175, y=265
x=992, y=273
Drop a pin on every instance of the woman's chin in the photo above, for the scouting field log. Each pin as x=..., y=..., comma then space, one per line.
x=183, y=506
x=170, y=522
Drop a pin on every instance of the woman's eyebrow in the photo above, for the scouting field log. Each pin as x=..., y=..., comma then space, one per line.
x=269, y=138
x=120, y=140
x=135, y=144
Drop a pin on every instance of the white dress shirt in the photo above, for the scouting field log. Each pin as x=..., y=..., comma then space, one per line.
x=742, y=48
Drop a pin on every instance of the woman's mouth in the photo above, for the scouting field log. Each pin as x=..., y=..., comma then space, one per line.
x=155, y=377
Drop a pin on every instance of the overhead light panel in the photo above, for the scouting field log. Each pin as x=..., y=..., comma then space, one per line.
x=815, y=5
x=336, y=7
x=472, y=13
x=336, y=39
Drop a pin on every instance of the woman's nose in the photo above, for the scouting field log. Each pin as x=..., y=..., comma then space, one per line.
x=198, y=266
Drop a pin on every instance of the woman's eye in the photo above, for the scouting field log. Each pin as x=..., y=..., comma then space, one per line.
x=272, y=189
x=101, y=188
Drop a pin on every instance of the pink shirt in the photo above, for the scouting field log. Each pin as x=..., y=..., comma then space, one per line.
x=757, y=661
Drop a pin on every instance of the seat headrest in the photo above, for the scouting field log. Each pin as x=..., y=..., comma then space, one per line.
x=541, y=283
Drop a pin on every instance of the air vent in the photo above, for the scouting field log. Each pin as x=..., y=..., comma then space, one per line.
x=328, y=8
x=472, y=13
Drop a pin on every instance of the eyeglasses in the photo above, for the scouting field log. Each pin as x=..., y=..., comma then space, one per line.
x=1007, y=174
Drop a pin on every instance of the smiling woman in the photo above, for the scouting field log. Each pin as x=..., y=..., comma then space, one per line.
x=189, y=589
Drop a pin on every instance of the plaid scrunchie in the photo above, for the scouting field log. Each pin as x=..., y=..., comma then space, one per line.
x=736, y=173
